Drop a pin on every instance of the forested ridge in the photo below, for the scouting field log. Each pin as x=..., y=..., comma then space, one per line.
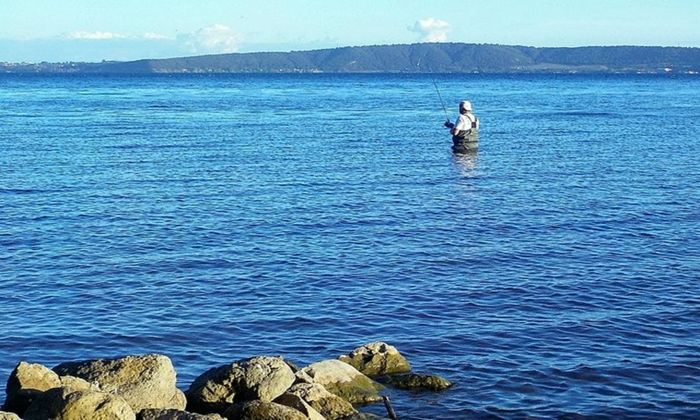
x=413, y=58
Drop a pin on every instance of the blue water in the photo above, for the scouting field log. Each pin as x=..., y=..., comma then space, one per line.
x=210, y=218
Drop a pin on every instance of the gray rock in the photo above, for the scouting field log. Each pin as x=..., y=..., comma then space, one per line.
x=8, y=416
x=415, y=381
x=316, y=396
x=143, y=381
x=170, y=414
x=377, y=359
x=260, y=410
x=259, y=378
x=26, y=382
x=68, y=404
x=343, y=380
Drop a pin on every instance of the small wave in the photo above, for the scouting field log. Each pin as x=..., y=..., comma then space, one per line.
x=126, y=146
x=580, y=113
x=20, y=191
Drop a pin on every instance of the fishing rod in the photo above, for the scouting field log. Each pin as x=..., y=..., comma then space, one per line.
x=441, y=101
x=444, y=109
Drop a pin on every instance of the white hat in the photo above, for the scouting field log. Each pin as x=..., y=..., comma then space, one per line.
x=465, y=105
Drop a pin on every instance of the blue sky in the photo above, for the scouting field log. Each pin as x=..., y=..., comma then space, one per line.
x=94, y=30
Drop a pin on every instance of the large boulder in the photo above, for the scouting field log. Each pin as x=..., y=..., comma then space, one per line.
x=316, y=396
x=68, y=404
x=418, y=382
x=170, y=414
x=343, y=380
x=26, y=382
x=259, y=378
x=143, y=381
x=261, y=410
x=8, y=416
x=377, y=359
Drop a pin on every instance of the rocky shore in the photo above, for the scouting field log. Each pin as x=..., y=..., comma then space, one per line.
x=262, y=387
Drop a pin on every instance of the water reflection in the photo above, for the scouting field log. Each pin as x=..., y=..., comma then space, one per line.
x=466, y=162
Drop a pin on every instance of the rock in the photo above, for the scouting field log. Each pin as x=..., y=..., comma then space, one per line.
x=260, y=410
x=364, y=416
x=8, y=416
x=325, y=403
x=78, y=384
x=343, y=380
x=143, y=381
x=170, y=414
x=415, y=381
x=292, y=366
x=68, y=404
x=302, y=377
x=297, y=403
x=259, y=378
x=26, y=382
x=377, y=359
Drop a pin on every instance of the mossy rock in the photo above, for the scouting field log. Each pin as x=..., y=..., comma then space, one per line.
x=343, y=380
x=377, y=359
x=172, y=414
x=417, y=382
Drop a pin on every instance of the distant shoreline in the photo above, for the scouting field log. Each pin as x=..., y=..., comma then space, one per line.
x=426, y=58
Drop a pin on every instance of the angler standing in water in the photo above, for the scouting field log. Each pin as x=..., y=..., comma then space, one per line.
x=465, y=132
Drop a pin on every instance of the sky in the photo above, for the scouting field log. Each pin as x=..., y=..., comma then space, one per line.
x=96, y=30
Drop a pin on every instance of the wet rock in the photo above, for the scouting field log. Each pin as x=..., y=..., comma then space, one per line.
x=68, y=404
x=316, y=396
x=259, y=378
x=26, y=382
x=415, y=381
x=170, y=414
x=343, y=380
x=260, y=410
x=143, y=381
x=377, y=359
x=8, y=416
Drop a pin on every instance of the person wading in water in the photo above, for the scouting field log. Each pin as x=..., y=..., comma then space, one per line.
x=465, y=131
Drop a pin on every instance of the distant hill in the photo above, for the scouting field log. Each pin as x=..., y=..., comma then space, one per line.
x=414, y=58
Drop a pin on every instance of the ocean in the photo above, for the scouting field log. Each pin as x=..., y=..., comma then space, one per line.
x=554, y=273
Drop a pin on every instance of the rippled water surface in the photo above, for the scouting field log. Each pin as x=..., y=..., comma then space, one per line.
x=211, y=218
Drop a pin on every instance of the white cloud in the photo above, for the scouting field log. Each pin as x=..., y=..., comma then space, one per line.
x=156, y=37
x=99, y=35
x=212, y=39
x=431, y=29
x=106, y=36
